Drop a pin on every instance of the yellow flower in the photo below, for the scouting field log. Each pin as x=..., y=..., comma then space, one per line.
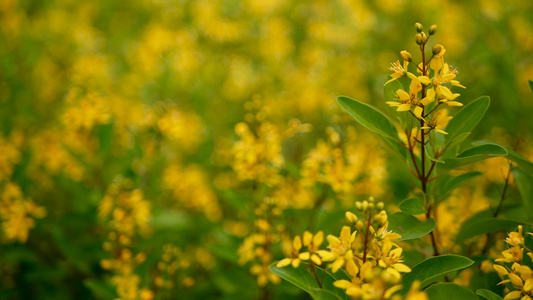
x=439, y=121
x=398, y=70
x=515, y=239
x=514, y=254
x=391, y=260
x=294, y=260
x=313, y=245
x=340, y=248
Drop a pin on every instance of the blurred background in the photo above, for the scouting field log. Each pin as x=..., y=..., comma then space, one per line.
x=167, y=149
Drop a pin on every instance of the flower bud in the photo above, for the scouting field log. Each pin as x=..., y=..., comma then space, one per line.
x=371, y=199
x=419, y=27
x=432, y=29
x=359, y=225
x=437, y=49
x=419, y=39
x=371, y=206
x=350, y=217
x=380, y=206
x=406, y=55
x=358, y=205
x=365, y=205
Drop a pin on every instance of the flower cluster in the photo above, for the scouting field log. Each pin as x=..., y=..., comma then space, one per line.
x=518, y=278
x=428, y=90
x=127, y=215
x=367, y=253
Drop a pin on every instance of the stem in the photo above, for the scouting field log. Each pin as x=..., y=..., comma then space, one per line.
x=423, y=176
x=315, y=274
x=365, y=251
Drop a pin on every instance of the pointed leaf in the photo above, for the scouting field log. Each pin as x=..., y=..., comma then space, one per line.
x=369, y=117
x=446, y=291
x=485, y=226
x=451, y=145
x=490, y=295
x=520, y=161
x=413, y=206
x=409, y=227
x=473, y=155
x=447, y=183
x=434, y=268
x=467, y=118
x=302, y=278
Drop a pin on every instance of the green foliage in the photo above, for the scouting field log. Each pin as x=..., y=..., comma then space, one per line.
x=412, y=206
x=489, y=295
x=410, y=227
x=369, y=116
x=485, y=226
x=435, y=268
x=445, y=291
x=467, y=118
x=524, y=182
x=302, y=278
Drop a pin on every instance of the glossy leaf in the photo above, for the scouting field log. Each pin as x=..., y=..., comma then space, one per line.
x=473, y=155
x=446, y=291
x=447, y=183
x=485, y=226
x=490, y=295
x=369, y=117
x=467, y=118
x=409, y=227
x=412, y=206
x=451, y=145
x=301, y=278
x=520, y=161
x=435, y=268
x=524, y=183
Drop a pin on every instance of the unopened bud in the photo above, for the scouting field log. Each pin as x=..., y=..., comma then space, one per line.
x=380, y=206
x=432, y=29
x=406, y=55
x=419, y=27
x=358, y=205
x=359, y=225
x=437, y=49
x=365, y=205
x=371, y=199
x=371, y=206
x=419, y=39
x=350, y=217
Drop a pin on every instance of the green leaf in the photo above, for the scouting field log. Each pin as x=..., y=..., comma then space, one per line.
x=369, y=117
x=490, y=295
x=301, y=278
x=473, y=155
x=409, y=227
x=434, y=268
x=453, y=143
x=446, y=291
x=530, y=85
x=485, y=226
x=467, y=118
x=447, y=183
x=524, y=183
x=520, y=161
x=412, y=206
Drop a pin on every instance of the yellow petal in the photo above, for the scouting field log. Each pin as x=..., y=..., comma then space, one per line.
x=297, y=243
x=402, y=268
x=337, y=264
x=402, y=95
x=304, y=256
x=513, y=295
x=418, y=112
x=296, y=263
x=342, y=284
x=404, y=107
x=454, y=103
x=424, y=79
x=448, y=77
x=316, y=259
x=318, y=239
x=284, y=262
